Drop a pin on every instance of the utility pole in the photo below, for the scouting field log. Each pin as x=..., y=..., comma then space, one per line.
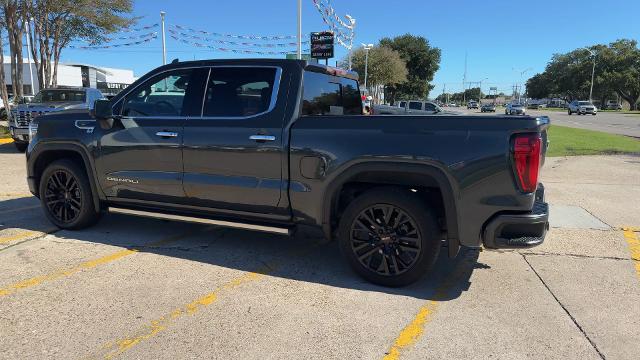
x=464, y=80
x=593, y=73
x=29, y=56
x=299, y=51
x=164, y=45
x=366, y=47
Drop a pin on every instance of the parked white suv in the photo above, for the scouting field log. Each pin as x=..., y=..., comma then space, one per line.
x=581, y=108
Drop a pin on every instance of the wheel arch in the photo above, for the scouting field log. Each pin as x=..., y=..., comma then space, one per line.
x=394, y=174
x=45, y=153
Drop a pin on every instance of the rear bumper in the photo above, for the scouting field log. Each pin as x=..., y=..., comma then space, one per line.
x=519, y=230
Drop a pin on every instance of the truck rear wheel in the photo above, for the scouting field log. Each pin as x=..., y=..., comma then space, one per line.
x=389, y=237
x=65, y=194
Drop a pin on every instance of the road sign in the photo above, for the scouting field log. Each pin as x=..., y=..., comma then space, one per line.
x=493, y=88
x=322, y=45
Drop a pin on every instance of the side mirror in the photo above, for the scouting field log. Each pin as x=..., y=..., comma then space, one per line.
x=103, y=113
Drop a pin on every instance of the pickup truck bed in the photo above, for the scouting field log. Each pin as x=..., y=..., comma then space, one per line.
x=282, y=144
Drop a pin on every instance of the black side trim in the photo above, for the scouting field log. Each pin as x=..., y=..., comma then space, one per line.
x=43, y=147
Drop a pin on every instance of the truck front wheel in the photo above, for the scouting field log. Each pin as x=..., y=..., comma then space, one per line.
x=65, y=194
x=21, y=146
x=389, y=236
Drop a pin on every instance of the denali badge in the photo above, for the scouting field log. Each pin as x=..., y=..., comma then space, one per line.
x=116, y=179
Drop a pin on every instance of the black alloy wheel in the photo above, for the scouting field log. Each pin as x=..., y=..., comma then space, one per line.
x=385, y=239
x=63, y=197
x=66, y=195
x=389, y=236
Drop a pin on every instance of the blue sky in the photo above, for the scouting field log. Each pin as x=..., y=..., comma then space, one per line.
x=500, y=37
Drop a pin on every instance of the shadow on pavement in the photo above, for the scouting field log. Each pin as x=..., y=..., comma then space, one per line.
x=299, y=258
x=8, y=149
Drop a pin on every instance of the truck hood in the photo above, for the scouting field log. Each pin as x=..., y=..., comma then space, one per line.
x=46, y=107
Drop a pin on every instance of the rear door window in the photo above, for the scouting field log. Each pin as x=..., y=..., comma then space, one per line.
x=239, y=91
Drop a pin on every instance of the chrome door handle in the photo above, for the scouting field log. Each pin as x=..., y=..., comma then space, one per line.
x=167, y=134
x=262, y=137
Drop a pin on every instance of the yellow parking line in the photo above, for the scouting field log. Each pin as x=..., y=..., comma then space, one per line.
x=6, y=141
x=634, y=246
x=160, y=324
x=415, y=329
x=58, y=274
x=24, y=235
x=154, y=327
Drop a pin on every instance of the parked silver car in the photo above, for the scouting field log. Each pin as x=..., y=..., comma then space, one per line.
x=581, y=108
x=515, y=109
x=46, y=101
x=411, y=107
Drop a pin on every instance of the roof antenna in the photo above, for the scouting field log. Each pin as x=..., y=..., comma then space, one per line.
x=175, y=61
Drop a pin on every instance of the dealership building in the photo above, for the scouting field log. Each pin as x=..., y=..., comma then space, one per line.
x=108, y=80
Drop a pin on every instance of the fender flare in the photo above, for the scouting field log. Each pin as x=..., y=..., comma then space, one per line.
x=44, y=147
x=445, y=185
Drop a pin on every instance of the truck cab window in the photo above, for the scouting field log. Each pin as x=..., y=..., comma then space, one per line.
x=161, y=96
x=324, y=95
x=239, y=91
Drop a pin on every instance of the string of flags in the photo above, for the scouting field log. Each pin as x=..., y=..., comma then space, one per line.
x=235, y=36
x=130, y=37
x=141, y=28
x=234, y=43
x=109, y=46
x=236, y=51
x=327, y=13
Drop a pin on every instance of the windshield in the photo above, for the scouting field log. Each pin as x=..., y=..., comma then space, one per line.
x=59, y=95
x=584, y=103
x=516, y=105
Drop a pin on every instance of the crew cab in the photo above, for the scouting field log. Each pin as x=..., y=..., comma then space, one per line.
x=46, y=101
x=282, y=145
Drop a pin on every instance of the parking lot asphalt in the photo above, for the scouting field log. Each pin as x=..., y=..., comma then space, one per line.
x=142, y=288
x=609, y=121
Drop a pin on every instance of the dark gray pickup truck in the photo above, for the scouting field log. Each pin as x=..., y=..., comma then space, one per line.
x=279, y=145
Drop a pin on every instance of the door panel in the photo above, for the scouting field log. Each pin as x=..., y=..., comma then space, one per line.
x=224, y=167
x=141, y=156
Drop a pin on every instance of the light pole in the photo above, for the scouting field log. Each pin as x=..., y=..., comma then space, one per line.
x=352, y=21
x=164, y=47
x=521, y=75
x=366, y=47
x=480, y=92
x=593, y=72
x=299, y=51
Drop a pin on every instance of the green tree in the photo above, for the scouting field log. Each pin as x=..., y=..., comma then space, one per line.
x=58, y=22
x=385, y=67
x=422, y=61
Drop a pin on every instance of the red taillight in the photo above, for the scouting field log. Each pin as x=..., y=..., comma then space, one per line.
x=526, y=160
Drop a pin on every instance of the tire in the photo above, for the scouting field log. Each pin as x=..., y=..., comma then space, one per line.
x=396, y=262
x=594, y=114
x=569, y=112
x=21, y=146
x=66, y=197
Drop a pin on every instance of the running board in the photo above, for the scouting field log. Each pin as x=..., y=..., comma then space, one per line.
x=200, y=220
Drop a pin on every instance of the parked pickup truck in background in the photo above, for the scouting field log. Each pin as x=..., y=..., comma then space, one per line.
x=46, y=101
x=412, y=107
x=281, y=145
